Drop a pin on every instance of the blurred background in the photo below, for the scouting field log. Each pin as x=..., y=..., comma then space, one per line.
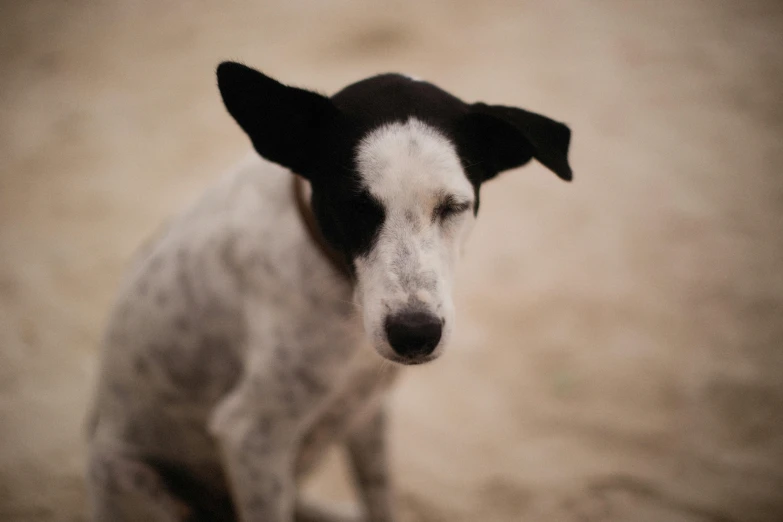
x=619, y=354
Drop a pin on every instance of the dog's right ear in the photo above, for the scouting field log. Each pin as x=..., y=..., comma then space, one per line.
x=285, y=124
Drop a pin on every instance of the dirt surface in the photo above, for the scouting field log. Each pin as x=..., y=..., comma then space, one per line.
x=620, y=343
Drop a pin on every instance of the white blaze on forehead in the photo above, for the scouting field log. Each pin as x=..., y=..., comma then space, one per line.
x=409, y=165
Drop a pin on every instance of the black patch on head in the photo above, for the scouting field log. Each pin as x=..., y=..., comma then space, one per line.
x=317, y=137
x=390, y=98
x=348, y=215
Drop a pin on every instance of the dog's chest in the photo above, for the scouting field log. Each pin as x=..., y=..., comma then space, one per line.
x=353, y=402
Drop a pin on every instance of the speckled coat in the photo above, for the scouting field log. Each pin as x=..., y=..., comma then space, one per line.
x=237, y=352
x=233, y=274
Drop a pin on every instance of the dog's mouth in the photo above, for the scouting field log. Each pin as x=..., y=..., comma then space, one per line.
x=411, y=361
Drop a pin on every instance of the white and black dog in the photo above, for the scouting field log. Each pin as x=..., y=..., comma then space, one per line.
x=250, y=336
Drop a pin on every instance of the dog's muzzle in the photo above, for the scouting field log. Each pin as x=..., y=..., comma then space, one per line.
x=413, y=335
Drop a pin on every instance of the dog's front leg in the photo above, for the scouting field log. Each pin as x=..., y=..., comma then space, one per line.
x=369, y=460
x=258, y=448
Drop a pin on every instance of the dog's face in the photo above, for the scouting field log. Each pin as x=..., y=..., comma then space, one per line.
x=404, y=279
x=395, y=167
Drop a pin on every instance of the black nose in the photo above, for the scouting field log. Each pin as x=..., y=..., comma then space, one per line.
x=413, y=334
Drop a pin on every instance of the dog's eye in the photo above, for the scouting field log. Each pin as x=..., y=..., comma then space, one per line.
x=449, y=207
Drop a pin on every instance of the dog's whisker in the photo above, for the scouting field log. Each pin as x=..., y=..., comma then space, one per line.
x=383, y=368
x=353, y=303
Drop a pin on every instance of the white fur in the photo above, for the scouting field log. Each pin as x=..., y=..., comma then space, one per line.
x=410, y=168
x=234, y=353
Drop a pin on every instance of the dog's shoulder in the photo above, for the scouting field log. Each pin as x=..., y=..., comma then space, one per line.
x=180, y=306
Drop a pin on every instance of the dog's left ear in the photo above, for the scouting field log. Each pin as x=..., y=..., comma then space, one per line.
x=502, y=138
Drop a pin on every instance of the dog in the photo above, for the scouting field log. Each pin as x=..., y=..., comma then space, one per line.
x=268, y=321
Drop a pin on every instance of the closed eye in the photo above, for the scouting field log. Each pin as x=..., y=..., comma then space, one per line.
x=448, y=207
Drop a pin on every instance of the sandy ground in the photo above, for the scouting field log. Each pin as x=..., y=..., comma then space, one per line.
x=620, y=351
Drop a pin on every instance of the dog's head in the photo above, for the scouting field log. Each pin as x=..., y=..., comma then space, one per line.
x=395, y=167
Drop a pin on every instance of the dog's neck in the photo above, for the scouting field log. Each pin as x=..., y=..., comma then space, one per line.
x=301, y=191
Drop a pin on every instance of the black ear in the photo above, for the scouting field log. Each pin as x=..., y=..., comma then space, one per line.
x=285, y=124
x=504, y=138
